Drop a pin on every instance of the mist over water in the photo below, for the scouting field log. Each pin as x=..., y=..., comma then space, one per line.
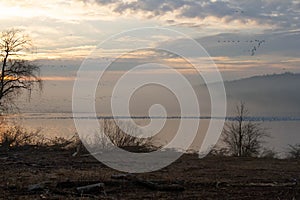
x=272, y=100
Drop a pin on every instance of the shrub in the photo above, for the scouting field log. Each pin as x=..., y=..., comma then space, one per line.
x=16, y=136
x=220, y=152
x=268, y=153
x=294, y=151
x=117, y=133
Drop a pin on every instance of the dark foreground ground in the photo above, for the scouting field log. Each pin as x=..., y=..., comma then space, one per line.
x=55, y=174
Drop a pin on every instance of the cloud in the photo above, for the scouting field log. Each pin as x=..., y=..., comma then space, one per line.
x=57, y=78
x=275, y=12
x=65, y=11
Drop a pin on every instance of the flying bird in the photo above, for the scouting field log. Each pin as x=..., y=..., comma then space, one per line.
x=257, y=44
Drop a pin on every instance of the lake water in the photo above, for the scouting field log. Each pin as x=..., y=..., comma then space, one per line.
x=283, y=130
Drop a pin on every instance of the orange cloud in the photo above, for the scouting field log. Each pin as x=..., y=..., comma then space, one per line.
x=57, y=78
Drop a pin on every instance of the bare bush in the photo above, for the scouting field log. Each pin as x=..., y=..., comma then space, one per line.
x=121, y=134
x=60, y=143
x=294, y=151
x=122, y=138
x=220, y=152
x=268, y=153
x=15, y=136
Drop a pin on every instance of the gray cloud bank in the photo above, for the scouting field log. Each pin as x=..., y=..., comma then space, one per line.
x=283, y=14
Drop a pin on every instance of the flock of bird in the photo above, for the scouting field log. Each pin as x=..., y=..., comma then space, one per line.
x=257, y=44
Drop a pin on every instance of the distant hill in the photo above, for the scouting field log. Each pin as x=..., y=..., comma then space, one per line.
x=267, y=95
x=276, y=94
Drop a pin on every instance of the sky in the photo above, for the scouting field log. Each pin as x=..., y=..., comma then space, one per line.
x=71, y=29
x=244, y=38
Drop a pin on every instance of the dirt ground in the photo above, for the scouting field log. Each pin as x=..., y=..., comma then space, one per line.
x=54, y=174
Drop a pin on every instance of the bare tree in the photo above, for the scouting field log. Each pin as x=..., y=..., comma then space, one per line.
x=16, y=74
x=242, y=136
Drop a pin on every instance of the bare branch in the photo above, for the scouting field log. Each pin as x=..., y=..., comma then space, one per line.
x=243, y=137
x=15, y=75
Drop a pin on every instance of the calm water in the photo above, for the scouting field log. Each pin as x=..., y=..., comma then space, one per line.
x=283, y=130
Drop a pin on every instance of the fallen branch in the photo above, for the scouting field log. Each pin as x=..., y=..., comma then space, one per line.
x=91, y=189
x=274, y=184
x=226, y=184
